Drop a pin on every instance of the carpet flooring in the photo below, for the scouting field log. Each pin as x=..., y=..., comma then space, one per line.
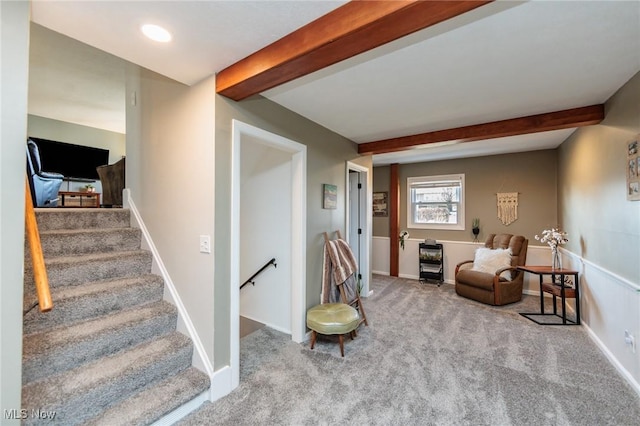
x=428, y=357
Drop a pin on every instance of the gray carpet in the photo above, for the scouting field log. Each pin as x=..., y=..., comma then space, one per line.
x=428, y=357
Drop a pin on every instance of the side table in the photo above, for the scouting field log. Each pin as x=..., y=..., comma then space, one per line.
x=557, y=288
x=79, y=199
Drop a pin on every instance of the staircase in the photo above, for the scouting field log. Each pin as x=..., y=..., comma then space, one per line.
x=108, y=353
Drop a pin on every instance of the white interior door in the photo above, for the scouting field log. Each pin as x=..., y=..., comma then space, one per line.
x=359, y=226
x=355, y=230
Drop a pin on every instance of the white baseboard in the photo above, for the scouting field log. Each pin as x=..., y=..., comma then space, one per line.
x=201, y=360
x=182, y=411
x=623, y=371
x=221, y=383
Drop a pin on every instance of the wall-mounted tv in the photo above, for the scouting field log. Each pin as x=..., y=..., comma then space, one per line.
x=72, y=161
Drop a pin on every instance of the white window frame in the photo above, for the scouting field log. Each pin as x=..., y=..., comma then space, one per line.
x=421, y=180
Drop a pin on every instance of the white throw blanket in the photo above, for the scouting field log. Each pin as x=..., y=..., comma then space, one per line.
x=339, y=267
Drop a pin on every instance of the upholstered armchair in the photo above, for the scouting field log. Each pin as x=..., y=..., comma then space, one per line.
x=112, y=180
x=492, y=277
x=44, y=185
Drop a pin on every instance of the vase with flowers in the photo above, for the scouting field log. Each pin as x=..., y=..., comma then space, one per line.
x=475, y=225
x=553, y=237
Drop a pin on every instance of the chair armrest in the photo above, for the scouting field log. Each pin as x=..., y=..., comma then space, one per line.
x=496, y=277
x=508, y=268
x=50, y=175
x=464, y=262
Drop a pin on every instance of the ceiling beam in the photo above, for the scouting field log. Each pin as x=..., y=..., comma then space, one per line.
x=354, y=28
x=565, y=119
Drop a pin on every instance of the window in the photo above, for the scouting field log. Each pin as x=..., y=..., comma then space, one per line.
x=436, y=202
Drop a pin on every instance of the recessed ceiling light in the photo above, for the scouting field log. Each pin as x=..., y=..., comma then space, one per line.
x=156, y=33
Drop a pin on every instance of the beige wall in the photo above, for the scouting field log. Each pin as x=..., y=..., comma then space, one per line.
x=603, y=226
x=14, y=18
x=532, y=174
x=170, y=171
x=327, y=154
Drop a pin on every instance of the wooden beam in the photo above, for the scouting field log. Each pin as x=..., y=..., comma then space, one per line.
x=394, y=220
x=349, y=30
x=566, y=119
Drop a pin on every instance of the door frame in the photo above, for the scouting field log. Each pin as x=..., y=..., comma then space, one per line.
x=366, y=223
x=298, y=195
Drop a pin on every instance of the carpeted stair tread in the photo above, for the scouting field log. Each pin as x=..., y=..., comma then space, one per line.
x=53, y=351
x=74, y=270
x=77, y=395
x=155, y=402
x=110, y=342
x=80, y=302
x=49, y=219
x=66, y=242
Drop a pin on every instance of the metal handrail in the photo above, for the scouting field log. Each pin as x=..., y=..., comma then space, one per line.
x=37, y=258
x=250, y=280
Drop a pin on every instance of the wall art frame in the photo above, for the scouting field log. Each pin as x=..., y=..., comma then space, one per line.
x=633, y=169
x=329, y=196
x=380, y=204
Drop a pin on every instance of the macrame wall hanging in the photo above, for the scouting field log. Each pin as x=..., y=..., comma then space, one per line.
x=507, y=207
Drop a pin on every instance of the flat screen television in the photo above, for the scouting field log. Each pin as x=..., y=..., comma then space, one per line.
x=70, y=160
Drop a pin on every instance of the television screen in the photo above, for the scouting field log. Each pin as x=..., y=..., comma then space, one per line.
x=72, y=161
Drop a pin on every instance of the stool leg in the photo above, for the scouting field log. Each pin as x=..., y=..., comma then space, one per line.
x=341, y=339
x=313, y=338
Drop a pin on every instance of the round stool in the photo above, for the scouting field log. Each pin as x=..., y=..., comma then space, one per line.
x=332, y=318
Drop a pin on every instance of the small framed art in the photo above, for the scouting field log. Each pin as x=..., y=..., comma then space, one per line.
x=380, y=205
x=633, y=170
x=329, y=196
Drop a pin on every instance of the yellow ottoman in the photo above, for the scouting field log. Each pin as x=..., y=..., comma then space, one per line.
x=332, y=318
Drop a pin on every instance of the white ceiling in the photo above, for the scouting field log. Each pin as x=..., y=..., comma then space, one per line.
x=504, y=60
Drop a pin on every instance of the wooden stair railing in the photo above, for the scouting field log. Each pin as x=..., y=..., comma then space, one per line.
x=37, y=258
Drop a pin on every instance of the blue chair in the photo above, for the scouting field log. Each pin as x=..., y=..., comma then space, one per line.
x=44, y=185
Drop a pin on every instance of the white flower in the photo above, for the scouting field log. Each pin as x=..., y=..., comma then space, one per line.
x=553, y=237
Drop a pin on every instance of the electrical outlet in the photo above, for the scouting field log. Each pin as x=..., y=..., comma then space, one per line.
x=630, y=340
x=205, y=244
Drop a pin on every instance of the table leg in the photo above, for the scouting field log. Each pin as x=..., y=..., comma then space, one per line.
x=575, y=279
x=564, y=308
x=541, y=297
x=555, y=301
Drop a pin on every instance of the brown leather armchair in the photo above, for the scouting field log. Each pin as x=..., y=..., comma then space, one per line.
x=495, y=289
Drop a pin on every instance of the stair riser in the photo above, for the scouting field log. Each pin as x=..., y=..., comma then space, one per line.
x=51, y=219
x=152, y=404
x=69, y=311
x=60, y=359
x=82, y=406
x=67, y=244
x=78, y=272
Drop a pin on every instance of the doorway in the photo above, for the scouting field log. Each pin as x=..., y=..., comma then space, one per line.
x=265, y=168
x=359, y=225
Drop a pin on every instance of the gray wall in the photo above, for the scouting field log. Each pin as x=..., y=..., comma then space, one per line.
x=170, y=172
x=61, y=131
x=327, y=153
x=532, y=174
x=603, y=226
x=14, y=48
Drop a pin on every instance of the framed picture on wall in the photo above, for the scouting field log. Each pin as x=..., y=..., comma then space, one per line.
x=633, y=170
x=330, y=196
x=380, y=205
